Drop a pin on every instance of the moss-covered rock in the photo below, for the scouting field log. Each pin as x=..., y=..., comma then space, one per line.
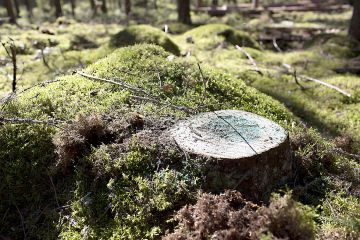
x=144, y=34
x=211, y=35
x=136, y=181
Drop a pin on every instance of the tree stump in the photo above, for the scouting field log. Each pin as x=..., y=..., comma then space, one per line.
x=245, y=151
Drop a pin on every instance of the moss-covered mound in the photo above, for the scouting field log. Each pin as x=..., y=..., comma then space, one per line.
x=338, y=45
x=144, y=34
x=110, y=172
x=211, y=35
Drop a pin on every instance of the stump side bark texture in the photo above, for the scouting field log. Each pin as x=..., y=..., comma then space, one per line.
x=245, y=151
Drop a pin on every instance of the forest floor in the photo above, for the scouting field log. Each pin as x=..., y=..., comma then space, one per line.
x=280, y=55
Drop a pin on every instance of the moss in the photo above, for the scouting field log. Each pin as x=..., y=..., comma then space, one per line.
x=143, y=34
x=148, y=187
x=211, y=35
x=338, y=45
x=341, y=214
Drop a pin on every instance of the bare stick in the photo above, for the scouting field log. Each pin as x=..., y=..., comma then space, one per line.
x=44, y=59
x=276, y=46
x=257, y=69
x=340, y=151
x=117, y=82
x=297, y=81
x=289, y=68
x=150, y=98
x=327, y=85
x=11, y=52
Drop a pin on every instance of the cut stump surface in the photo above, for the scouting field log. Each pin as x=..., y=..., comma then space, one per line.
x=246, y=152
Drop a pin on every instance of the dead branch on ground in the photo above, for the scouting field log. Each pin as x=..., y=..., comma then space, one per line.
x=276, y=46
x=306, y=78
x=251, y=59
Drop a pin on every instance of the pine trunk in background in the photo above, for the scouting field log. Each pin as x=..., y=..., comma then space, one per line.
x=58, y=9
x=72, y=2
x=354, y=30
x=199, y=3
x=214, y=3
x=120, y=4
x=255, y=4
x=17, y=8
x=183, y=7
x=28, y=5
x=103, y=6
x=10, y=11
x=93, y=7
x=127, y=8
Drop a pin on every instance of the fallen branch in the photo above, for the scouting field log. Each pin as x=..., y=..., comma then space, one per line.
x=257, y=69
x=326, y=84
x=10, y=49
x=289, y=68
x=276, y=46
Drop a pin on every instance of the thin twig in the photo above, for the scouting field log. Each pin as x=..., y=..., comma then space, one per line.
x=289, y=68
x=11, y=52
x=251, y=59
x=53, y=186
x=297, y=81
x=117, y=82
x=276, y=46
x=204, y=80
x=327, y=85
x=150, y=98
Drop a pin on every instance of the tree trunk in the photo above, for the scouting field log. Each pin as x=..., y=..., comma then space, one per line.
x=255, y=4
x=244, y=151
x=17, y=8
x=127, y=8
x=104, y=7
x=354, y=30
x=58, y=10
x=72, y=2
x=214, y=3
x=10, y=11
x=28, y=5
x=93, y=7
x=183, y=8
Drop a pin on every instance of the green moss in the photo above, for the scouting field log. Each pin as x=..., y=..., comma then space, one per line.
x=146, y=192
x=144, y=34
x=338, y=45
x=341, y=214
x=211, y=35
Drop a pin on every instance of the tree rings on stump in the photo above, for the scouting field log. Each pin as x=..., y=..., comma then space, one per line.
x=246, y=152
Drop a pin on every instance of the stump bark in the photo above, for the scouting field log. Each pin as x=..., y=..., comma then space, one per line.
x=245, y=151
